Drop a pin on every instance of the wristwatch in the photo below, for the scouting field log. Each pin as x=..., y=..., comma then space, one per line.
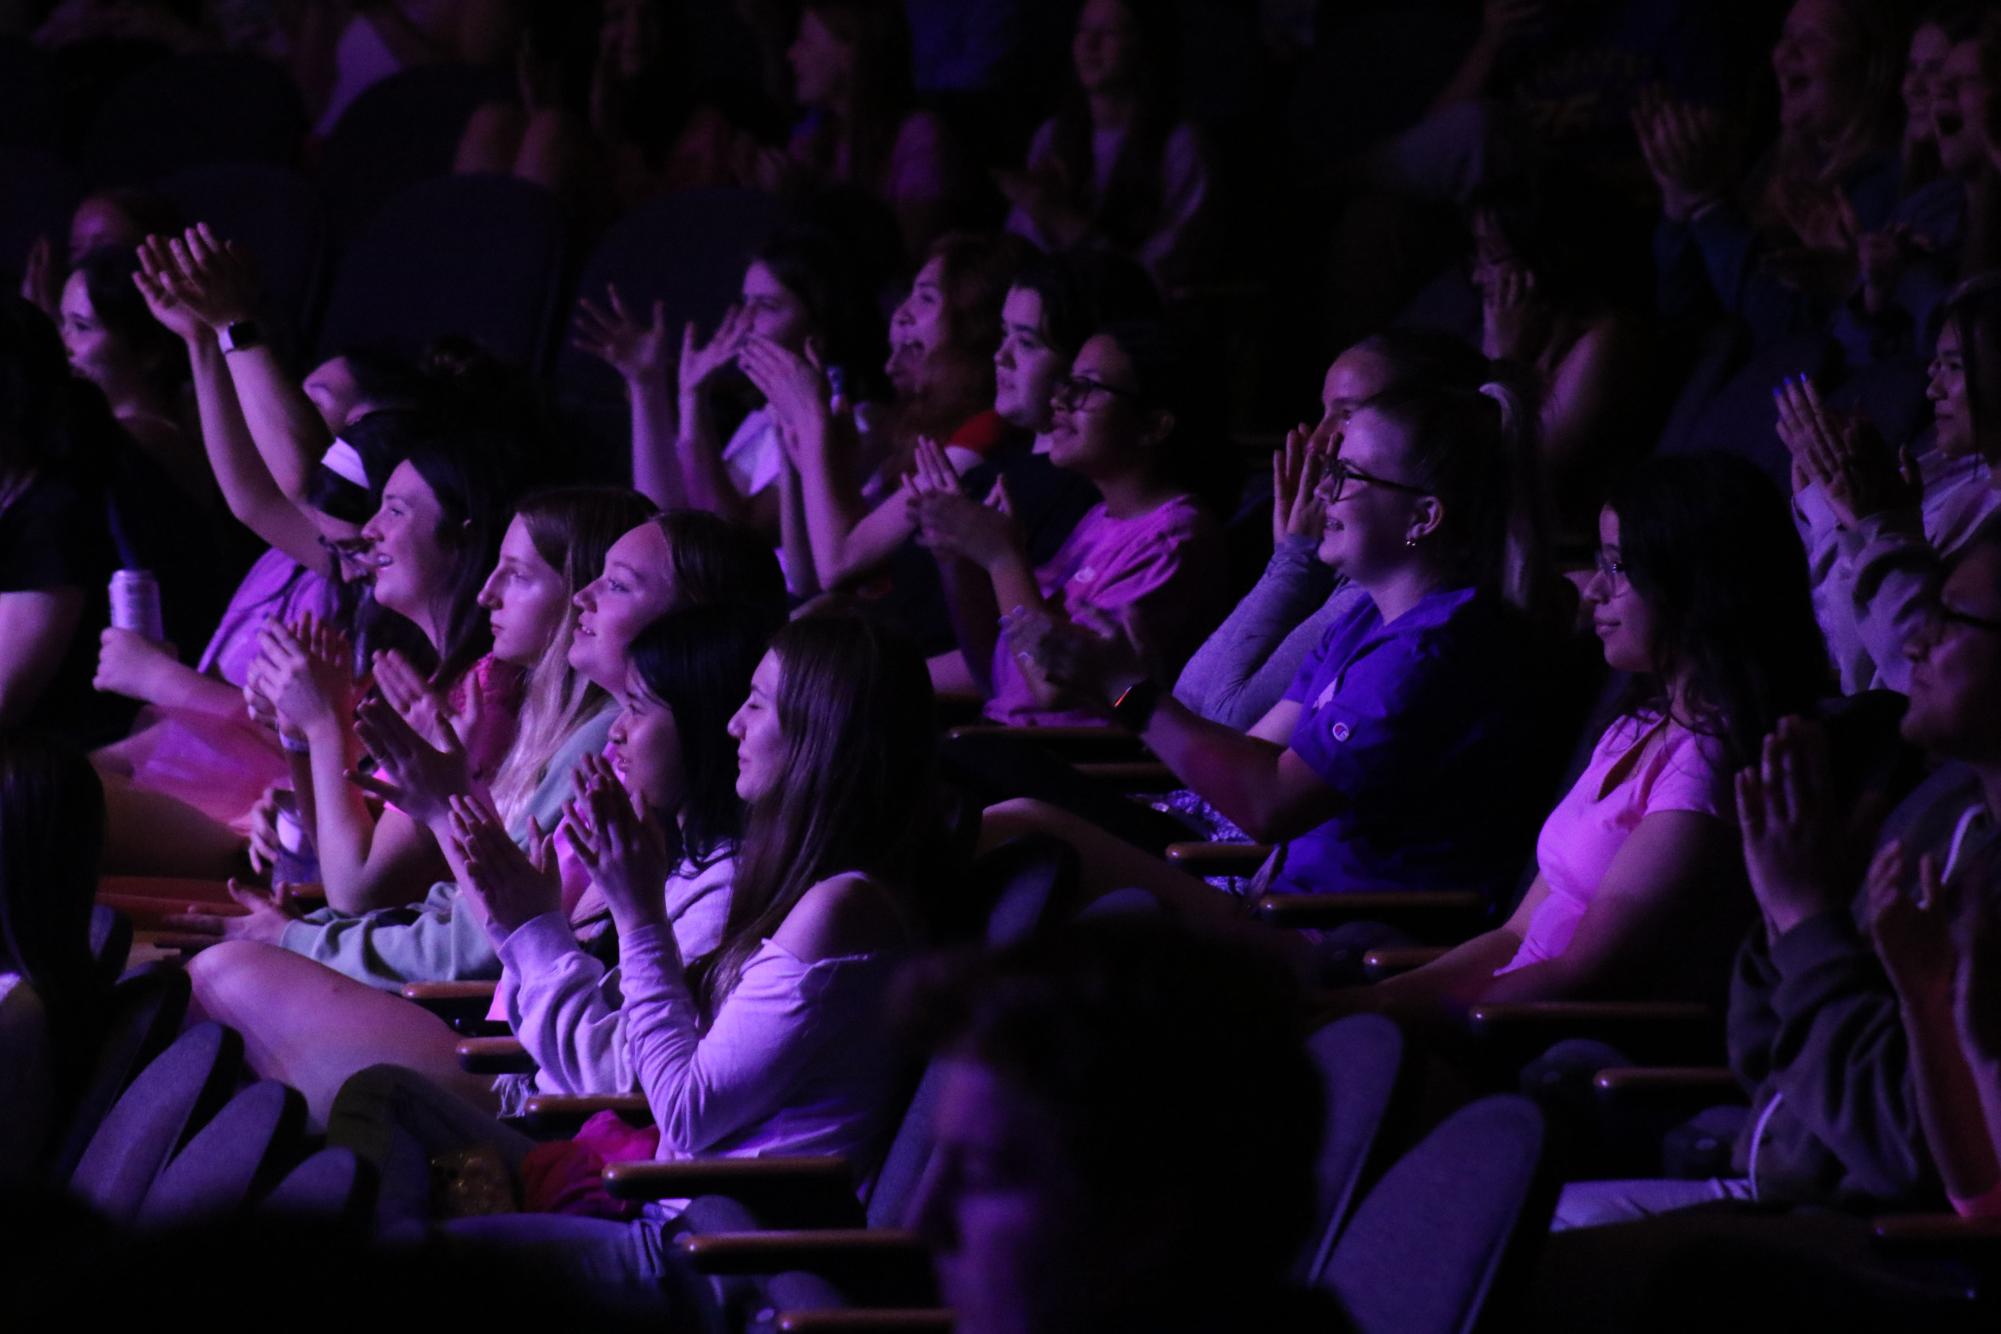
x=1134, y=707
x=238, y=335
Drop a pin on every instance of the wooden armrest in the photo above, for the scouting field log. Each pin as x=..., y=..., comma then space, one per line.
x=683, y=1179
x=1669, y=1032
x=148, y=911
x=1216, y=858
x=1441, y=916
x=825, y=1252
x=121, y=889
x=463, y=1005
x=494, y=1056
x=1379, y=964
x=556, y=1114
x=858, y=1320
x=1072, y=742
x=1703, y=1079
x=1131, y=775
x=186, y=942
x=1938, y=1233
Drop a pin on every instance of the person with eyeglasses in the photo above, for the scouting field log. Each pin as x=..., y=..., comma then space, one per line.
x=1699, y=594
x=1148, y=549
x=1413, y=745
x=1855, y=1024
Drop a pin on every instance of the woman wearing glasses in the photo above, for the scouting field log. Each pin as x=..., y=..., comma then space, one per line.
x=1147, y=552
x=1412, y=746
x=1700, y=594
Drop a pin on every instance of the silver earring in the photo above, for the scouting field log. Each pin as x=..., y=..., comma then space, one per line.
x=1410, y=541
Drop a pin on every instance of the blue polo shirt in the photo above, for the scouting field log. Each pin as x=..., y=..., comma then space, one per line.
x=1426, y=727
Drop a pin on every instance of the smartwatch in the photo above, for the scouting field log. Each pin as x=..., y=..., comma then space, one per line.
x=1134, y=707
x=238, y=335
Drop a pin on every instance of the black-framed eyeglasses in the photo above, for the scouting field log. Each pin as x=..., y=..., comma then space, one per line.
x=1076, y=391
x=344, y=548
x=1937, y=616
x=1341, y=472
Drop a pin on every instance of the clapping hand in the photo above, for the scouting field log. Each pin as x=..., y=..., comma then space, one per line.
x=302, y=669
x=1911, y=931
x=701, y=362
x=211, y=279
x=624, y=845
x=510, y=887
x=1296, y=471
x=1688, y=150
x=952, y=524
x=420, y=707
x=1796, y=843
x=1844, y=454
x=413, y=773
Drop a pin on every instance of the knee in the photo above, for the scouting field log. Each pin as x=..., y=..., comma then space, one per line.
x=224, y=976
x=1023, y=815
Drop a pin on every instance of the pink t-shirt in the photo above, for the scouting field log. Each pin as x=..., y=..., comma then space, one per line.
x=1169, y=563
x=1682, y=772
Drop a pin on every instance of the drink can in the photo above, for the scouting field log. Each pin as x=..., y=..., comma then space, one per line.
x=135, y=604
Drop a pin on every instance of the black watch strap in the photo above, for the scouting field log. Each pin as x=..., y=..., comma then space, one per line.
x=1133, y=709
x=238, y=335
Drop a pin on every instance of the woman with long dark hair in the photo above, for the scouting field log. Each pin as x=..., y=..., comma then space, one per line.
x=1700, y=593
x=771, y=1044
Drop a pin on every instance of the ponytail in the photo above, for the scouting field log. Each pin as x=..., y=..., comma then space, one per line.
x=1476, y=450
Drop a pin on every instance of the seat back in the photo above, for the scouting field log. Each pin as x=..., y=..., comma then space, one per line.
x=144, y=1013
x=1449, y=1227
x=399, y=132
x=273, y=212
x=474, y=255
x=686, y=250
x=110, y=941
x=172, y=1098
x=1022, y=886
x=190, y=110
x=909, y=1155
x=233, y=1159
x=333, y=1186
x=1363, y=1074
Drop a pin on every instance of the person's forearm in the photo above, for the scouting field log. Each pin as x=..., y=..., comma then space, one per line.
x=969, y=601
x=656, y=426
x=284, y=425
x=1446, y=987
x=1293, y=586
x=343, y=826
x=793, y=542
x=247, y=486
x=833, y=504
x=1233, y=771
x=186, y=690
x=1950, y=1106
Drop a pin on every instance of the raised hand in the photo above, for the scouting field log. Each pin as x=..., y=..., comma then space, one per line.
x=413, y=773
x=1296, y=470
x=931, y=471
x=701, y=362
x=626, y=850
x=510, y=886
x=642, y=354
x=1844, y=454
x=1688, y=150
x=1513, y=316
x=1796, y=846
x=1911, y=930
x=211, y=278
x=156, y=267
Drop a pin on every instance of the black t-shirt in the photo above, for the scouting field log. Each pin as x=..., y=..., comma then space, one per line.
x=54, y=536
x=1048, y=500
